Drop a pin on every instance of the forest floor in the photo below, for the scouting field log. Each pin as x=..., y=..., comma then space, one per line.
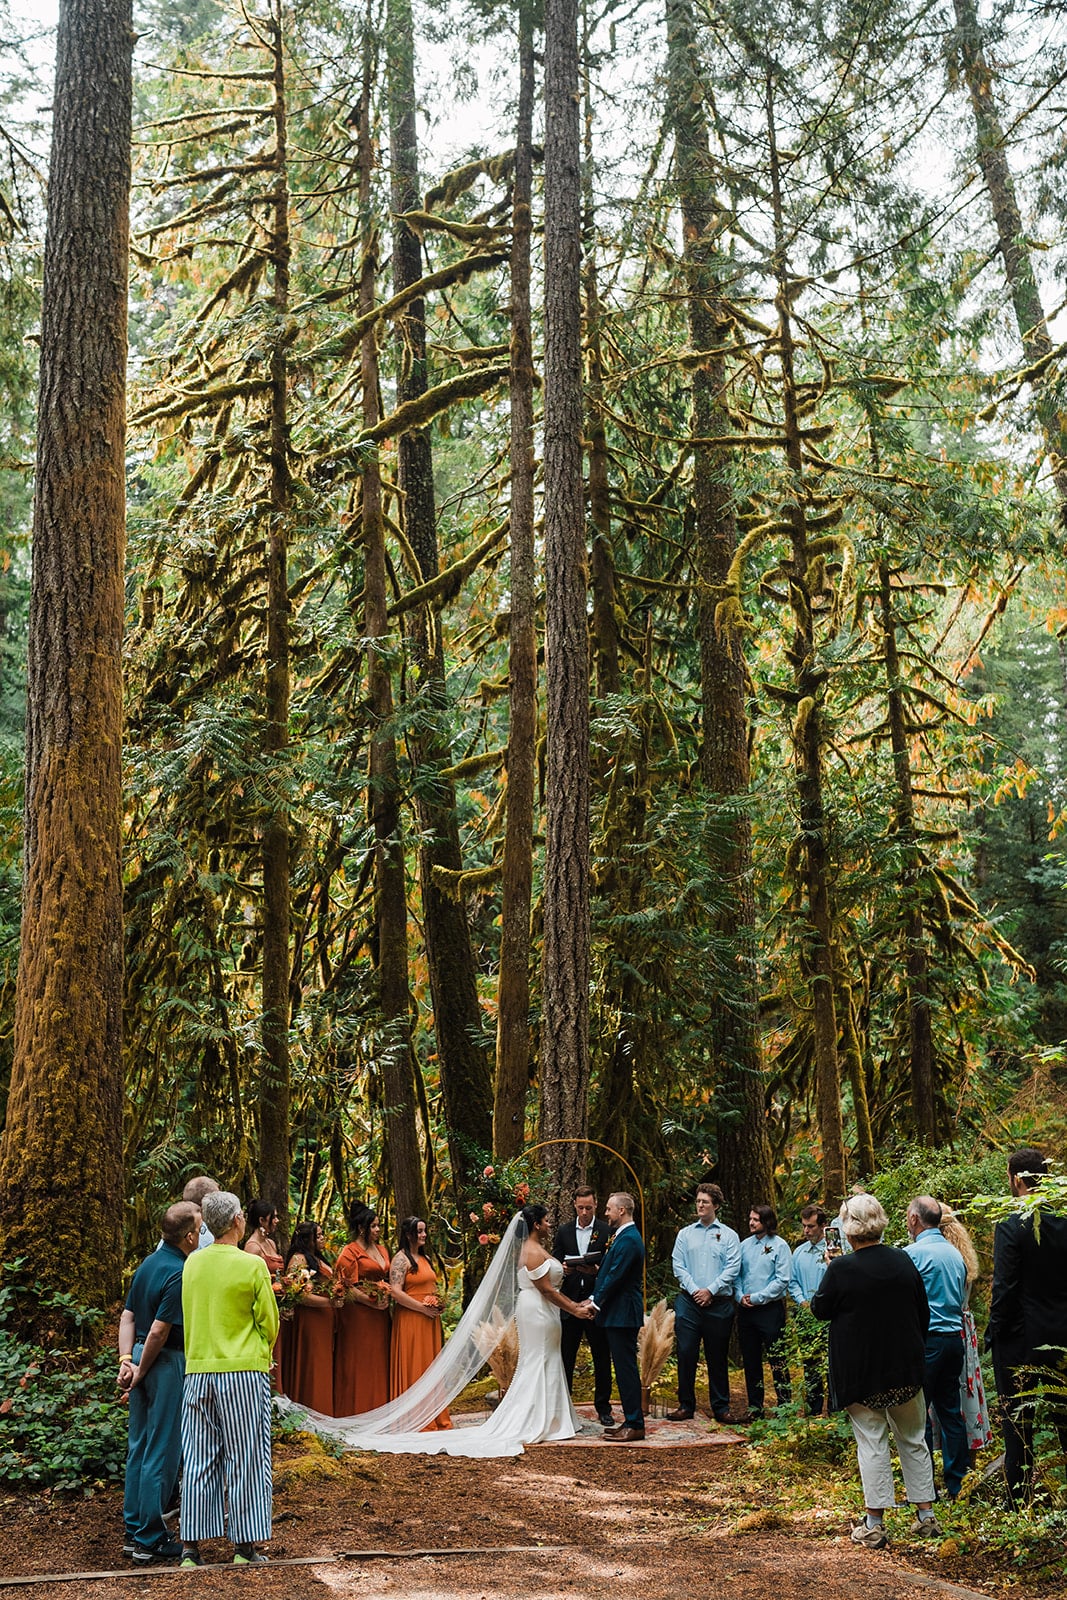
x=578, y=1522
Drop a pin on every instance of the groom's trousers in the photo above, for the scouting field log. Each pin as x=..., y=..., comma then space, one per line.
x=623, y=1345
x=572, y=1331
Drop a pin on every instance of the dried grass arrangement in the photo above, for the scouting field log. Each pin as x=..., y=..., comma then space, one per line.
x=498, y=1341
x=655, y=1343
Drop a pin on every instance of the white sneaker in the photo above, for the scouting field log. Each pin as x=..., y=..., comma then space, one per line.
x=873, y=1538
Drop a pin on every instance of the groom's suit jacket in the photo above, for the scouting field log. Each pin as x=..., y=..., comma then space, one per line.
x=579, y=1285
x=619, y=1291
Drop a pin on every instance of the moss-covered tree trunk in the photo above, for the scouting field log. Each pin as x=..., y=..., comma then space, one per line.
x=466, y=1084
x=273, y=1167
x=1039, y=353
x=744, y=1154
x=391, y=912
x=565, y=968
x=513, y=1045
x=808, y=680
x=61, y=1190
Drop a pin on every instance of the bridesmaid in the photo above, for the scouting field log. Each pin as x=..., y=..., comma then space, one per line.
x=361, y=1354
x=260, y=1241
x=417, y=1315
x=310, y=1362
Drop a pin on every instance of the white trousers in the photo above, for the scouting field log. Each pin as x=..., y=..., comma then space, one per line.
x=871, y=1430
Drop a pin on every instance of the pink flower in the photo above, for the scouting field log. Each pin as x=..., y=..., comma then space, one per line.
x=474, y=1216
x=488, y=1173
x=483, y=1238
x=487, y=1210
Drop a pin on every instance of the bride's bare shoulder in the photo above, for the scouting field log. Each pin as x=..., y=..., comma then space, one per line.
x=533, y=1254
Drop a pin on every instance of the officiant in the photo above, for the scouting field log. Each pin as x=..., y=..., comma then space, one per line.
x=584, y=1240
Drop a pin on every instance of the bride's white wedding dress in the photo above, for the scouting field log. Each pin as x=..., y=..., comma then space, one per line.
x=536, y=1408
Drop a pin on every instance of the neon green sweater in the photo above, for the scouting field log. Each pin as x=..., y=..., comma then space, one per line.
x=231, y=1315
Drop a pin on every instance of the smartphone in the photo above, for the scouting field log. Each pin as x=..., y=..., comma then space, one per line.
x=835, y=1245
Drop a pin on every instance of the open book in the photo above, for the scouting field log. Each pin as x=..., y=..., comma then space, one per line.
x=589, y=1260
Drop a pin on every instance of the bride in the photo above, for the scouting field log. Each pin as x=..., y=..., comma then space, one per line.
x=522, y=1281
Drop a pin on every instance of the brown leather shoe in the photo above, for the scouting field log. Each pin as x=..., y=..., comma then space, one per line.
x=681, y=1415
x=625, y=1435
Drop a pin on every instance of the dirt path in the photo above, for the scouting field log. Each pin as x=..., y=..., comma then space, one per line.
x=632, y=1524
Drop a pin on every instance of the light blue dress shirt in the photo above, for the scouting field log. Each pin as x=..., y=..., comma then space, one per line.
x=808, y=1269
x=766, y=1267
x=944, y=1275
x=707, y=1256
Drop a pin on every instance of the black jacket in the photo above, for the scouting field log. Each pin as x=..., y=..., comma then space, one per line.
x=1028, y=1303
x=876, y=1305
x=579, y=1285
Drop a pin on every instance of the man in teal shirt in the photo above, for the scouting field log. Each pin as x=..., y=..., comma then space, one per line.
x=944, y=1275
x=151, y=1372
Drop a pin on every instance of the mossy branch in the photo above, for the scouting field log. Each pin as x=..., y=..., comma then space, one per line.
x=438, y=591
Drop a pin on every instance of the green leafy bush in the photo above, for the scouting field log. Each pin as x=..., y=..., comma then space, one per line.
x=61, y=1425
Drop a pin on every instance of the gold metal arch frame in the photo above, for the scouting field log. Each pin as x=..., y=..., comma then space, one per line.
x=546, y=1143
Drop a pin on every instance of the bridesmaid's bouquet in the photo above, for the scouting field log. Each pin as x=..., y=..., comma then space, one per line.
x=293, y=1287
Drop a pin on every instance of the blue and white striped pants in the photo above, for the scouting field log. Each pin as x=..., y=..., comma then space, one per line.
x=226, y=1420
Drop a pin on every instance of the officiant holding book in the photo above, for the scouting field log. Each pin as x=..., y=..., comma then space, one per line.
x=580, y=1246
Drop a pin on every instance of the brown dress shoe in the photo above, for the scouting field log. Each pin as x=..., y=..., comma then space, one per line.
x=625, y=1435
x=681, y=1415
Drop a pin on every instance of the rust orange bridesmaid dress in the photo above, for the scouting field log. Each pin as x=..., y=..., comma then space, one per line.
x=309, y=1358
x=361, y=1354
x=416, y=1339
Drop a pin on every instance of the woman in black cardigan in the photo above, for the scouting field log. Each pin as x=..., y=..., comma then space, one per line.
x=876, y=1306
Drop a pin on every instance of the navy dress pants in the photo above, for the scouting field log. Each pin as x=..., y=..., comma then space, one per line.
x=154, y=1451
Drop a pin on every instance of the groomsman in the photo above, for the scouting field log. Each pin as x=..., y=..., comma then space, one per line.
x=586, y=1234
x=706, y=1262
x=809, y=1268
x=619, y=1302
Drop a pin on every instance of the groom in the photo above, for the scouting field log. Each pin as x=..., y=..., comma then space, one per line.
x=620, y=1307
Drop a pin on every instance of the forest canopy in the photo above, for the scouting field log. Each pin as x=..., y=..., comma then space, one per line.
x=594, y=661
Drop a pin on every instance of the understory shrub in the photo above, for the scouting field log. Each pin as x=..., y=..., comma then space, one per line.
x=61, y=1424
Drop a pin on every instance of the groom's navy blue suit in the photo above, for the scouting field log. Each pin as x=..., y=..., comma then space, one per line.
x=620, y=1302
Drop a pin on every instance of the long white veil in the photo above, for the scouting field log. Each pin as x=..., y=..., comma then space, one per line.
x=397, y=1426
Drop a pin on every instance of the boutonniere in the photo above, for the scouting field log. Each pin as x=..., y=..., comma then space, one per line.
x=609, y=1244
x=766, y=1250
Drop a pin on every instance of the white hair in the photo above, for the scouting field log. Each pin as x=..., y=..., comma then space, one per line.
x=862, y=1218
x=219, y=1210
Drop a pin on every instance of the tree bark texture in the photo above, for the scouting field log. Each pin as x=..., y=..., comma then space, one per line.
x=466, y=1083
x=513, y=1044
x=565, y=961
x=1039, y=353
x=746, y=1170
x=922, y=1062
x=61, y=1190
x=274, y=1090
x=807, y=736
x=391, y=912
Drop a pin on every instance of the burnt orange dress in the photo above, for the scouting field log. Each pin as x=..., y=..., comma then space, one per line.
x=278, y=1372
x=416, y=1339
x=361, y=1353
x=309, y=1359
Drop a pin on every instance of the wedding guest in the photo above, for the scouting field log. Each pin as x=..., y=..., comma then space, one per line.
x=944, y=1275
x=585, y=1234
x=151, y=1372
x=309, y=1358
x=361, y=1353
x=875, y=1303
x=193, y=1194
x=417, y=1311
x=972, y=1384
x=809, y=1265
x=760, y=1291
x=231, y=1323
x=706, y=1262
x=1027, y=1313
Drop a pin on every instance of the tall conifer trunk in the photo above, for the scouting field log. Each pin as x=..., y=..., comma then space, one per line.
x=1039, y=352
x=274, y=1093
x=395, y=1056
x=513, y=995
x=745, y=1166
x=565, y=971
x=466, y=1085
x=61, y=1191
x=808, y=679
